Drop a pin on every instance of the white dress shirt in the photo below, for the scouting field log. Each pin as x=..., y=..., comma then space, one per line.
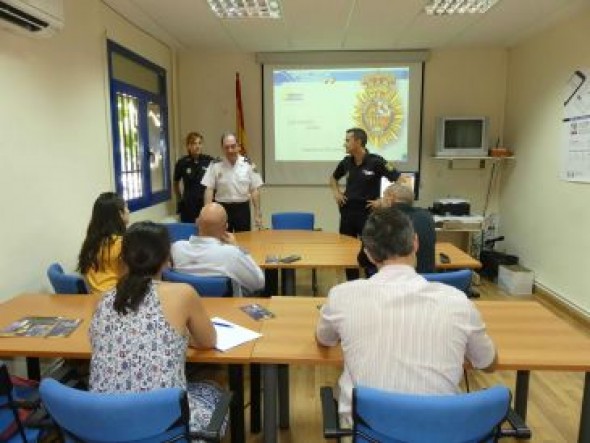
x=209, y=256
x=401, y=333
x=232, y=183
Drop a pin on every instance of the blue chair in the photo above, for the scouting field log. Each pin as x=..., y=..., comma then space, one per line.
x=207, y=286
x=293, y=220
x=460, y=279
x=296, y=221
x=390, y=417
x=180, y=231
x=161, y=415
x=65, y=283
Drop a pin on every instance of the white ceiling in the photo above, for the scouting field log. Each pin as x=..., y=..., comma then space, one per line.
x=309, y=25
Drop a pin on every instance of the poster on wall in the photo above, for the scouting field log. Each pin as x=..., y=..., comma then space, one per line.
x=575, y=165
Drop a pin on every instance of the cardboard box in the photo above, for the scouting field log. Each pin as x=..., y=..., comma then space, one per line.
x=515, y=279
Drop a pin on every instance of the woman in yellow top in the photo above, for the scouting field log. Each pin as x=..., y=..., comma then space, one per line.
x=99, y=260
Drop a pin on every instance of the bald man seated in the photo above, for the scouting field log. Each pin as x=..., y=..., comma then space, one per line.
x=215, y=252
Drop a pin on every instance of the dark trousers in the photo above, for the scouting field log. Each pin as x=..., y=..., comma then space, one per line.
x=352, y=221
x=238, y=216
x=190, y=209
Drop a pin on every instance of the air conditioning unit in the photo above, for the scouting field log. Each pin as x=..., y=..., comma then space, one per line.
x=39, y=18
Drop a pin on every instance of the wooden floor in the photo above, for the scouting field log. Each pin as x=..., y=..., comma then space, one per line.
x=554, y=397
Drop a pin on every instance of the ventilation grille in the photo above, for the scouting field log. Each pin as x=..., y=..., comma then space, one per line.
x=21, y=19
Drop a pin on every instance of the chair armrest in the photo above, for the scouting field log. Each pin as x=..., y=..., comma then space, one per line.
x=331, y=422
x=519, y=428
x=213, y=430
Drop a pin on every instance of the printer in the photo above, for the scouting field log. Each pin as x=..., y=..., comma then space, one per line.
x=451, y=206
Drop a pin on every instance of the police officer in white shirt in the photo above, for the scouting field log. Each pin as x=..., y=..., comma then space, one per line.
x=234, y=182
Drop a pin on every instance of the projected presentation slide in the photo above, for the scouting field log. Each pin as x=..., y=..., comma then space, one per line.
x=314, y=107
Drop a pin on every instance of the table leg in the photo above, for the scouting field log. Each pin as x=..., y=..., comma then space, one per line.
x=255, y=406
x=33, y=368
x=236, y=411
x=271, y=278
x=584, y=433
x=283, y=384
x=288, y=278
x=522, y=393
x=270, y=380
x=288, y=281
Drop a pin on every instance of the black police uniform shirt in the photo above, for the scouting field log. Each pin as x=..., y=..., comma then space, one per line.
x=363, y=182
x=191, y=171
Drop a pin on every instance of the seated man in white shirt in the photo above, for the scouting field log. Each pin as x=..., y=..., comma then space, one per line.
x=215, y=252
x=399, y=332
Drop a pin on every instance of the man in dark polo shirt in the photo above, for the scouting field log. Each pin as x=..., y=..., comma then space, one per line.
x=363, y=171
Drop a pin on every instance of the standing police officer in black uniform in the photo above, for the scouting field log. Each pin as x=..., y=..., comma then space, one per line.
x=363, y=172
x=190, y=169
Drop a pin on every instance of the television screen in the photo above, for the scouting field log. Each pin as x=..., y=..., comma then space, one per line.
x=463, y=134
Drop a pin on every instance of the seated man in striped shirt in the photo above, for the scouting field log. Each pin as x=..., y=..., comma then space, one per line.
x=399, y=332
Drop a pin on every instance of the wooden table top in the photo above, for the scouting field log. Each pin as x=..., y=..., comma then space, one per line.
x=528, y=336
x=77, y=344
x=320, y=249
x=317, y=249
x=459, y=259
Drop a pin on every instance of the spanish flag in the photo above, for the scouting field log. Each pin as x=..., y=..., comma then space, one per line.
x=240, y=129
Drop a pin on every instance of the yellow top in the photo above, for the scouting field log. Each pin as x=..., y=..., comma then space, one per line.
x=109, y=269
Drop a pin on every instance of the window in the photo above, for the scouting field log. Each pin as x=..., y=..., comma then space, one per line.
x=140, y=128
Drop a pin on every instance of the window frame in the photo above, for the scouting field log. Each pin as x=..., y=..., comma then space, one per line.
x=148, y=198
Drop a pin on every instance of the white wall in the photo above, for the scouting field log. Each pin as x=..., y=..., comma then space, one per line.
x=546, y=220
x=459, y=82
x=55, y=142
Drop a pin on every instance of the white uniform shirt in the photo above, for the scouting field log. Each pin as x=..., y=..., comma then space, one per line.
x=208, y=256
x=400, y=333
x=232, y=183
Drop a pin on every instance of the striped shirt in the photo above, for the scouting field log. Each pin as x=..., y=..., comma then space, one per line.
x=400, y=333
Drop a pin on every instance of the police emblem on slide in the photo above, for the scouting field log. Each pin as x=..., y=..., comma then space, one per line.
x=379, y=110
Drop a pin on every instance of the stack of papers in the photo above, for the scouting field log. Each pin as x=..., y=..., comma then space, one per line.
x=230, y=335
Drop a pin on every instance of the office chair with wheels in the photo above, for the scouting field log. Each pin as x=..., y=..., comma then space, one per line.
x=460, y=279
x=180, y=231
x=160, y=415
x=207, y=286
x=390, y=417
x=296, y=221
x=65, y=283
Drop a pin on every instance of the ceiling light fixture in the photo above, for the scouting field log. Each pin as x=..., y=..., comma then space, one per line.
x=245, y=8
x=448, y=7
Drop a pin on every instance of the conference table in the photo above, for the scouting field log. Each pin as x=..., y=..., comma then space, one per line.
x=323, y=250
x=527, y=335
x=77, y=345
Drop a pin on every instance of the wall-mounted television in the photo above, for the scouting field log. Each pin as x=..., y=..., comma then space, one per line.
x=462, y=136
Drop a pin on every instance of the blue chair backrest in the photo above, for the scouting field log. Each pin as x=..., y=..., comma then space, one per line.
x=207, y=286
x=159, y=415
x=390, y=417
x=293, y=220
x=65, y=283
x=460, y=279
x=180, y=231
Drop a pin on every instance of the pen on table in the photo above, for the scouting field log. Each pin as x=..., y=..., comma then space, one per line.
x=225, y=325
